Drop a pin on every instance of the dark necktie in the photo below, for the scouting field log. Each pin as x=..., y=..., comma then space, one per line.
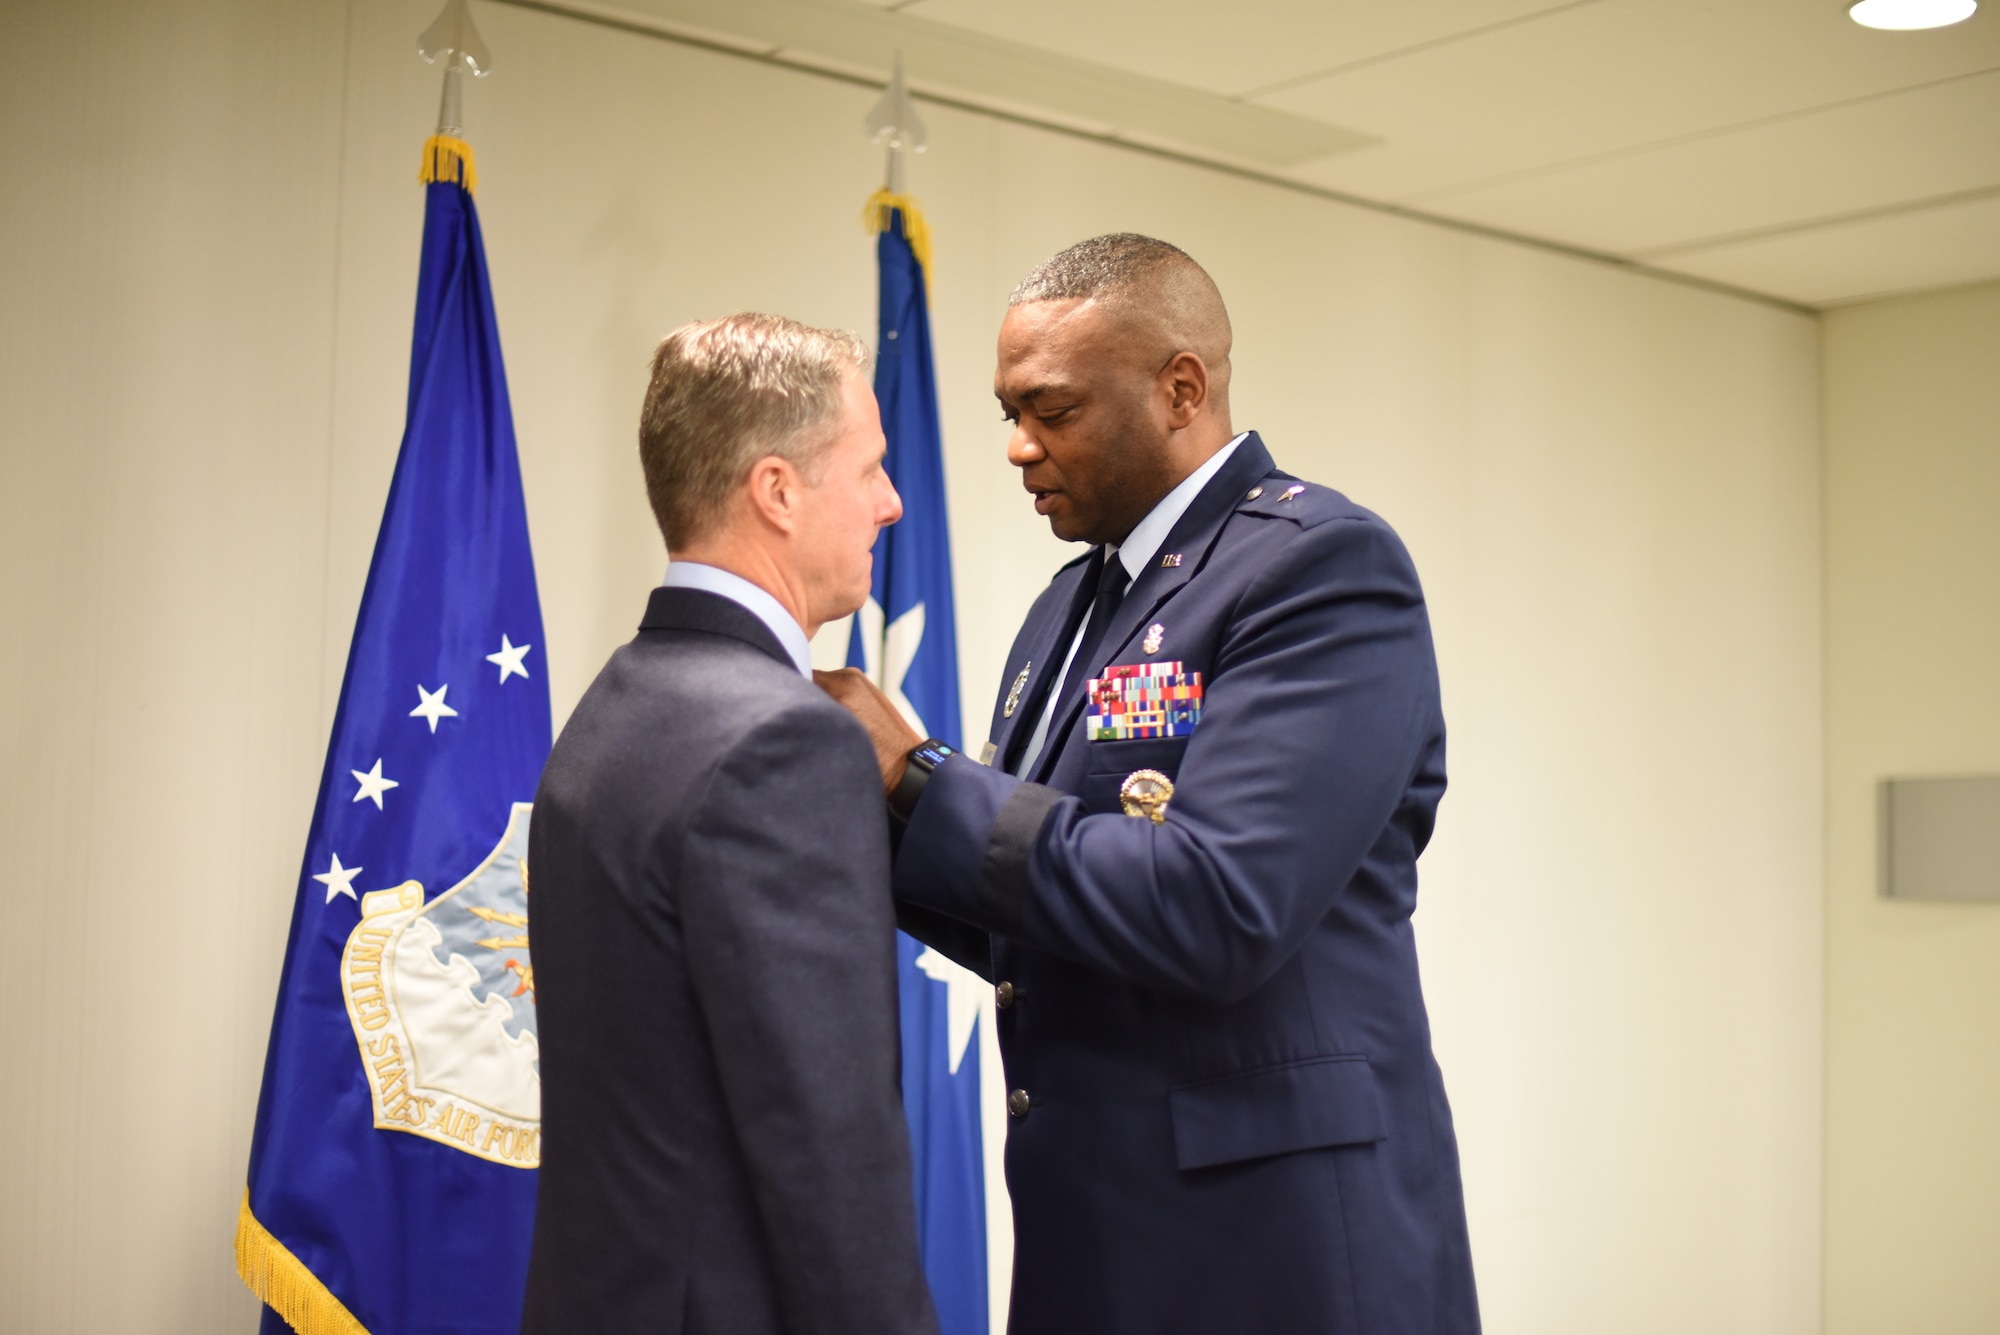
x=1111, y=584
x=1110, y=591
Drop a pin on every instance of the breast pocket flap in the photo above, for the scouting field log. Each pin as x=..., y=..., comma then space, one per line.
x=1111, y=762
x=1304, y=1105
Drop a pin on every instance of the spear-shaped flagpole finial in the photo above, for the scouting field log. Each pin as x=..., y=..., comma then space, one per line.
x=454, y=40
x=894, y=122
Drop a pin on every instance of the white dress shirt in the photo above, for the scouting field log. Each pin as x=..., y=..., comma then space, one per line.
x=738, y=590
x=1135, y=554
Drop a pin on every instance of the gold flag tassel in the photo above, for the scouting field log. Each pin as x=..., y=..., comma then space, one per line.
x=448, y=158
x=875, y=217
x=295, y=1293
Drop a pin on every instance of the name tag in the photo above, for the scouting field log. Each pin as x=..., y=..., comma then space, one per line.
x=1142, y=700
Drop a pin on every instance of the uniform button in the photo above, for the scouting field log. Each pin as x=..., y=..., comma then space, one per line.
x=1017, y=1103
x=1003, y=995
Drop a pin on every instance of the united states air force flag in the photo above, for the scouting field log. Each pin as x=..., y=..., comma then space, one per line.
x=905, y=639
x=392, y=1180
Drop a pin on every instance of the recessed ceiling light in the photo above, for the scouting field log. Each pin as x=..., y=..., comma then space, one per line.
x=1905, y=15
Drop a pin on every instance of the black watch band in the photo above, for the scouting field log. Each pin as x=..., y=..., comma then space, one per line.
x=924, y=757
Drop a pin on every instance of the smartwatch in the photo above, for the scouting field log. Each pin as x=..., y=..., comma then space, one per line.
x=924, y=757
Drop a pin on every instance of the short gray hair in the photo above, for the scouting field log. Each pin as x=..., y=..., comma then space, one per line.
x=1102, y=267
x=726, y=393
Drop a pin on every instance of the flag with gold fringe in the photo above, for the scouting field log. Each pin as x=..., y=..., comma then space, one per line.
x=905, y=637
x=392, y=1171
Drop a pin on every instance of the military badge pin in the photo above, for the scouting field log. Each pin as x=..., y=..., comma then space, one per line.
x=1146, y=792
x=1014, y=692
x=1151, y=644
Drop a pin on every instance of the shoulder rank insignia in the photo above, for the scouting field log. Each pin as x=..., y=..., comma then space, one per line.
x=1291, y=491
x=1146, y=792
x=1014, y=692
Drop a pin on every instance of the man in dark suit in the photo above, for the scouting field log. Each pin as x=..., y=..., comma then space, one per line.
x=723, y=1145
x=1189, y=865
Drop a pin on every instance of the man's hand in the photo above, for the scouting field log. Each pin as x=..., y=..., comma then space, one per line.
x=887, y=728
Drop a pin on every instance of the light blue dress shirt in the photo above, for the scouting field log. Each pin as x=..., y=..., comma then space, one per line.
x=716, y=580
x=1135, y=554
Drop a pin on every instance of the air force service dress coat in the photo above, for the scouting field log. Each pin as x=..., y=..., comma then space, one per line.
x=723, y=1143
x=1225, y=1112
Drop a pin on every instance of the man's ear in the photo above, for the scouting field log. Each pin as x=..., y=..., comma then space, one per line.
x=775, y=489
x=1185, y=380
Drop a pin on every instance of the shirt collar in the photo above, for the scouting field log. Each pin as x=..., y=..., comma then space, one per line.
x=1143, y=542
x=727, y=584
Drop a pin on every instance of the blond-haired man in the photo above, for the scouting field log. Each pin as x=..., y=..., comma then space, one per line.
x=723, y=1138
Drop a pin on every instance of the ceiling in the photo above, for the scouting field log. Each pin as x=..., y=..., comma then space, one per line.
x=1771, y=145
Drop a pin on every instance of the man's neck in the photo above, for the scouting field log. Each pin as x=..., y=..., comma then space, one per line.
x=1137, y=548
x=1186, y=451
x=752, y=562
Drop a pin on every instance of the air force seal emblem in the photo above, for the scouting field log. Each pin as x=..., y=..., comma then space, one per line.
x=442, y=1000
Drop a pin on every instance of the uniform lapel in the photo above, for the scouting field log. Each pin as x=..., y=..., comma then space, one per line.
x=1037, y=650
x=1191, y=540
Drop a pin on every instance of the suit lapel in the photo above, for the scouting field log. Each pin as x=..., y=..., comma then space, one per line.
x=1191, y=540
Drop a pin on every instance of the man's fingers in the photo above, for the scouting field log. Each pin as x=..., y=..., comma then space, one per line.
x=887, y=730
x=848, y=685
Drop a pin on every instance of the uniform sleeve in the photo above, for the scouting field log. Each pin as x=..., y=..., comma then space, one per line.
x=791, y=948
x=962, y=944
x=1319, y=711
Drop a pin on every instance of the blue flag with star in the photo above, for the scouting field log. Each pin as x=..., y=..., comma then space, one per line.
x=392, y=1171
x=906, y=639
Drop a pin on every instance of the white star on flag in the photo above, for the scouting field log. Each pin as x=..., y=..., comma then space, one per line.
x=433, y=707
x=964, y=991
x=509, y=658
x=890, y=653
x=373, y=785
x=338, y=880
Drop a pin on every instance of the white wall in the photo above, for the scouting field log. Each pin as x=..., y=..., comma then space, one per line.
x=210, y=226
x=1912, y=644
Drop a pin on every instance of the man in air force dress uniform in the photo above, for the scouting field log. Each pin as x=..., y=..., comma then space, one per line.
x=1190, y=863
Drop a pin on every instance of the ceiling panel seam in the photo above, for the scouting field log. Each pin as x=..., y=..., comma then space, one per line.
x=1907, y=293
x=624, y=21
x=1921, y=205
x=1416, y=48
x=1679, y=140
x=856, y=38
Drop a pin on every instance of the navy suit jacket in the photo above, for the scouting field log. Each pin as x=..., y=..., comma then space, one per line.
x=723, y=1143
x=1227, y=1117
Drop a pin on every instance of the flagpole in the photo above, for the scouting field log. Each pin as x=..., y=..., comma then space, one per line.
x=905, y=638
x=451, y=38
